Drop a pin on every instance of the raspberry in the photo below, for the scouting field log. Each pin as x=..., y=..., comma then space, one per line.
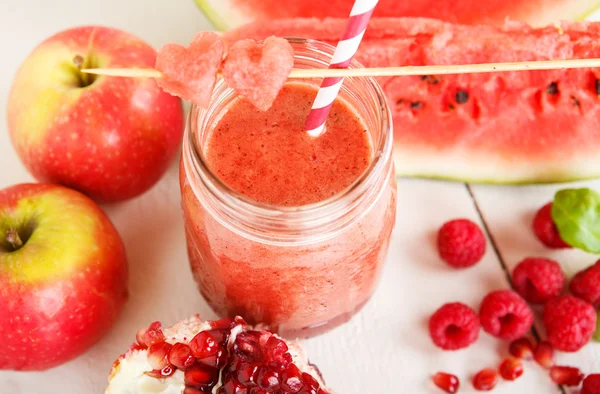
x=538, y=279
x=570, y=322
x=461, y=243
x=504, y=314
x=586, y=285
x=454, y=326
x=545, y=229
x=591, y=384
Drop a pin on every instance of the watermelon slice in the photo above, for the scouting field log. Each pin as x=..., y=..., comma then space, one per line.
x=535, y=126
x=226, y=14
x=191, y=73
x=258, y=70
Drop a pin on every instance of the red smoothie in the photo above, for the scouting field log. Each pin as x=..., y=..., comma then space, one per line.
x=270, y=158
x=298, y=285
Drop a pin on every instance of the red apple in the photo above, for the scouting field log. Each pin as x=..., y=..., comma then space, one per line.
x=63, y=275
x=110, y=138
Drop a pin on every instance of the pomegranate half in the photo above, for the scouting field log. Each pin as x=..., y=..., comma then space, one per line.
x=220, y=357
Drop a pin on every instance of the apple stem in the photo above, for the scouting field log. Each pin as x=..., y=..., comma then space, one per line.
x=84, y=78
x=78, y=60
x=12, y=237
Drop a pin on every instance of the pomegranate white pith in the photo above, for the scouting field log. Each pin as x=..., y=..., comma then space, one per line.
x=219, y=357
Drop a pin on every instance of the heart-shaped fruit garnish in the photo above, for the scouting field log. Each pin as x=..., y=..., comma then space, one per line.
x=258, y=70
x=191, y=72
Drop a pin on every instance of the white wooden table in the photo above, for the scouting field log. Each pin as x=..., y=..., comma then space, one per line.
x=386, y=348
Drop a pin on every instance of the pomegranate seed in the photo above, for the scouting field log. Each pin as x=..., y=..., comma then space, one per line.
x=566, y=376
x=158, y=355
x=247, y=374
x=258, y=390
x=209, y=348
x=277, y=353
x=291, y=379
x=219, y=360
x=248, y=349
x=308, y=390
x=181, y=356
x=151, y=335
x=161, y=373
x=448, y=383
x=201, y=377
x=485, y=380
x=544, y=354
x=268, y=380
x=204, y=345
x=223, y=324
x=220, y=336
x=231, y=386
x=264, y=337
x=511, y=368
x=310, y=382
x=191, y=390
x=521, y=348
x=167, y=371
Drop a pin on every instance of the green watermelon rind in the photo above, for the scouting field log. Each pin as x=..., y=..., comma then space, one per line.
x=496, y=181
x=213, y=15
x=586, y=15
x=409, y=164
x=219, y=20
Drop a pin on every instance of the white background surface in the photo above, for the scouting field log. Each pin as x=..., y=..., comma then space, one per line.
x=385, y=349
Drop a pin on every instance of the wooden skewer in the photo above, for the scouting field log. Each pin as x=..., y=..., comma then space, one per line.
x=386, y=71
x=124, y=72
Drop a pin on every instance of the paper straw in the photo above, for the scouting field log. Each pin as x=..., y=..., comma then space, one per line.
x=344, y=52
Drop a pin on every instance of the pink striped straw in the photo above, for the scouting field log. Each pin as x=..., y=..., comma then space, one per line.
x=344, y=52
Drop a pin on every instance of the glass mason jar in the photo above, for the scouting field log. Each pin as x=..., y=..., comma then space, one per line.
x=299, y=270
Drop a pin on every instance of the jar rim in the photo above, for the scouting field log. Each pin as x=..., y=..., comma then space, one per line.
x=289, y=216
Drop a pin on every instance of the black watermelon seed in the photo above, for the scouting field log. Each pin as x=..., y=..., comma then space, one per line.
x=462, y=97
x=552, y=88
x=430, y=79
x=598, y=87
x=575, y=101
x=416, y=105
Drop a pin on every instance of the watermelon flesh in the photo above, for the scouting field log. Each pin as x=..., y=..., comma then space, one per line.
x=534, y=126
x=232, y=13
x=191, y=73
x=258, y=70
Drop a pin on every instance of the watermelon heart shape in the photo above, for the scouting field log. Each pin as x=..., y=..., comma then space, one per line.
x=191, y=73
x=258, y=70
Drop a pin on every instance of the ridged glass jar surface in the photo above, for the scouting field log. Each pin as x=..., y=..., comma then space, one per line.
x=300, y=270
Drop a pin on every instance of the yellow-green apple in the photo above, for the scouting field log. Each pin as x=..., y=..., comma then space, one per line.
x=63, y=275
x=111, y=138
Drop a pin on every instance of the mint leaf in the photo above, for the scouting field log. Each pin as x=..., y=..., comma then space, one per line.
x=576, y=213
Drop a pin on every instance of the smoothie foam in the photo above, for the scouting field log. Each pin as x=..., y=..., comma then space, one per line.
x=269, y=157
